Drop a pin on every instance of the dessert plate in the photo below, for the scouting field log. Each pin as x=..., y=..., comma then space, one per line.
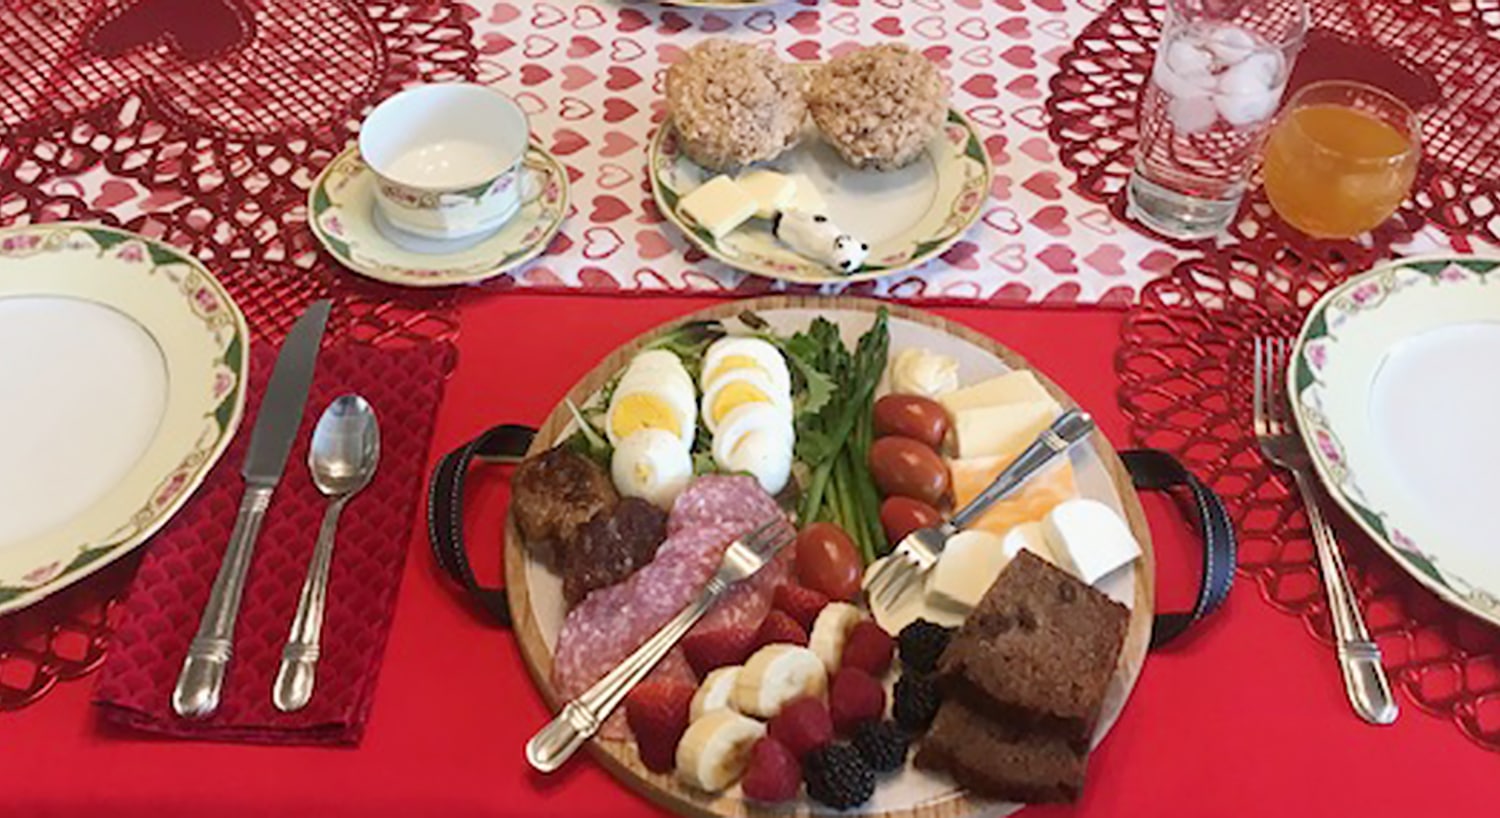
x=122, y=375
x=341, y=208
x=907, y=216
x=535, y=593
x=1395, y=391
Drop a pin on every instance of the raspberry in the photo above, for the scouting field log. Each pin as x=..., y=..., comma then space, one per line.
x=657, y=712
x=922, y=642
x=916, y=701
x=837, y=776
x=773, y=775
x=853, y=698
x=801, y=604
x=868, y=648
x=803, y=725
x=780, y=628
x=709, y=650
x=882, y=745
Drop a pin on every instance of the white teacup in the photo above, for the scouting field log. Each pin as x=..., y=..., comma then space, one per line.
x=447, y=158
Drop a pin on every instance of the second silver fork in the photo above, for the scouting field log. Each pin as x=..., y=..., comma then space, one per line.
x=1365, y=680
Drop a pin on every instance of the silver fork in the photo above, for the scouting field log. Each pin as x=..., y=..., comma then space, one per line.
x=918, y=551
x=581, y=718
x=1275, y=429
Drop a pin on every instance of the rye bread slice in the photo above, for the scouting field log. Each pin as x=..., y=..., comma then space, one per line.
x=998, y=761
x=1037, y=652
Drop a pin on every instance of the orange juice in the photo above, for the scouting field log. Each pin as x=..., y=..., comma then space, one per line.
x=1335, y=171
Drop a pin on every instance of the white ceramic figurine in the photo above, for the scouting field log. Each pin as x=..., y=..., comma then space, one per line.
x=816, y=236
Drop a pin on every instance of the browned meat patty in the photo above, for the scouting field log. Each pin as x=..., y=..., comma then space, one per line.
x=556, y=492
x=611, y=546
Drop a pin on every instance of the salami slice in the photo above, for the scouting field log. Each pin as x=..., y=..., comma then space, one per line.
x=612, y=622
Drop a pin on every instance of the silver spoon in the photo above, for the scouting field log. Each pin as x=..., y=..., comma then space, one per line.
x=345, y=448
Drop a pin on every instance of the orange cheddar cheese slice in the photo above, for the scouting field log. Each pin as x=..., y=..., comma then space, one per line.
x=1040, y=495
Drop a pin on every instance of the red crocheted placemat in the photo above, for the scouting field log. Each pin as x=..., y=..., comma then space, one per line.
x=224, y=111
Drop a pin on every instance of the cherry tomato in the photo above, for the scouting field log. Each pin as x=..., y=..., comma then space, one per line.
x=909, y=468
x=900, y=516
x=827, y=561
x=912, y=416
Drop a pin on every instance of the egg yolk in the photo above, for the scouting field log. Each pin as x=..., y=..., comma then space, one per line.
x=735, y=395
x=732, y=362
x=644, y=411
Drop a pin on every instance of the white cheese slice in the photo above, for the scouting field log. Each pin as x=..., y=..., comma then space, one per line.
x=1089, y=539
x=1003, y=430
x=1030, y=537
x=771, y=190
x=969, y=565
x=806, y=197
x=718, y=206
x=1020, y=386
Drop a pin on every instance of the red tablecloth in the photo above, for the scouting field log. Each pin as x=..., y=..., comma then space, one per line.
x=1246, y=717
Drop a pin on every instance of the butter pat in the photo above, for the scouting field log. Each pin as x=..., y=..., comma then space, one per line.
x=718, y=206
x=805, y=196
x=1012, y=387
x=1001, y=431
x=969, y=565
x=1089, y=538
x=770, y=190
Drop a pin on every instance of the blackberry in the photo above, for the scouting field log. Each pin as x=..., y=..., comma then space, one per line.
x=915, y=702
x=837, y=776
x=882, y=744
x=921, y=643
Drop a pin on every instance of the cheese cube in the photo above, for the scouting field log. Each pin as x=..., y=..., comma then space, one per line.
x=969, y=565
x=805, y=197
x=1029, y=537
x=1004, y=430
x=771, y=191
x=718, y=206
x=1089, y=538
x=1012, y=387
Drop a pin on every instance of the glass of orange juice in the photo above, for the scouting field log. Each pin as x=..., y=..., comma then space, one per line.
x=1341, y=158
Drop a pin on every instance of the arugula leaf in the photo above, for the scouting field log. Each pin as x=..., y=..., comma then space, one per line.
x=588, y=441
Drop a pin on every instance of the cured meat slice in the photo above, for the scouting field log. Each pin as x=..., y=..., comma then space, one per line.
x=611, y=622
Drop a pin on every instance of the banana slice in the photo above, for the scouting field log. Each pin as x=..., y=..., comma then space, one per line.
x=715, y=692
x=775, y=675
x=715, y=749
x=830, y=630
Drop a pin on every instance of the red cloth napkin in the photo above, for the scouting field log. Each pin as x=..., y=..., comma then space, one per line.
x=160, y=612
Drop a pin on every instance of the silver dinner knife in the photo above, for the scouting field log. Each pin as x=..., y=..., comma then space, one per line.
x=202, y=676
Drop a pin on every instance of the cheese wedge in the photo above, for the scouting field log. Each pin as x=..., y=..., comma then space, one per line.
x=806, y=197
x=970, y=563
x=1089, y=538
x=1040, y=495
x=771, y=191
x=1029, y=537
x=1001, y=431
x=718, y=206
x=1020, y=386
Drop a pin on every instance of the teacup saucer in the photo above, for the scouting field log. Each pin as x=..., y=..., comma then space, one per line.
x=342, y=214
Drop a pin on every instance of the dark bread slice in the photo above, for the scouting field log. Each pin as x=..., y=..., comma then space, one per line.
x=997, y=761
x=1037, y=652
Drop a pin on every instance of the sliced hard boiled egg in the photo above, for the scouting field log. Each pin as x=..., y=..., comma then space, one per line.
x=652, y=464
x=729, y=354
x=643, y=405
x=757, y=438
x=737, y=388
x=658, y=361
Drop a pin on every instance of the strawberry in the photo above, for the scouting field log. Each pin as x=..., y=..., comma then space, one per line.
x=779, y=628
x=868, y=648
x=709, y=650
x=773, y=775
x=801, y=604
x=657, y=712
x=854, y=698
x=802, y=725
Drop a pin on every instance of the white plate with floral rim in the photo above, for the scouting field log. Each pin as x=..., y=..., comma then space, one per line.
x=1397, y=394
x=130, y=387
x=341, y=213
x=907, y=216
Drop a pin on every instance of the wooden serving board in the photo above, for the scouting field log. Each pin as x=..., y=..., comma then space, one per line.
x=530, y=603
